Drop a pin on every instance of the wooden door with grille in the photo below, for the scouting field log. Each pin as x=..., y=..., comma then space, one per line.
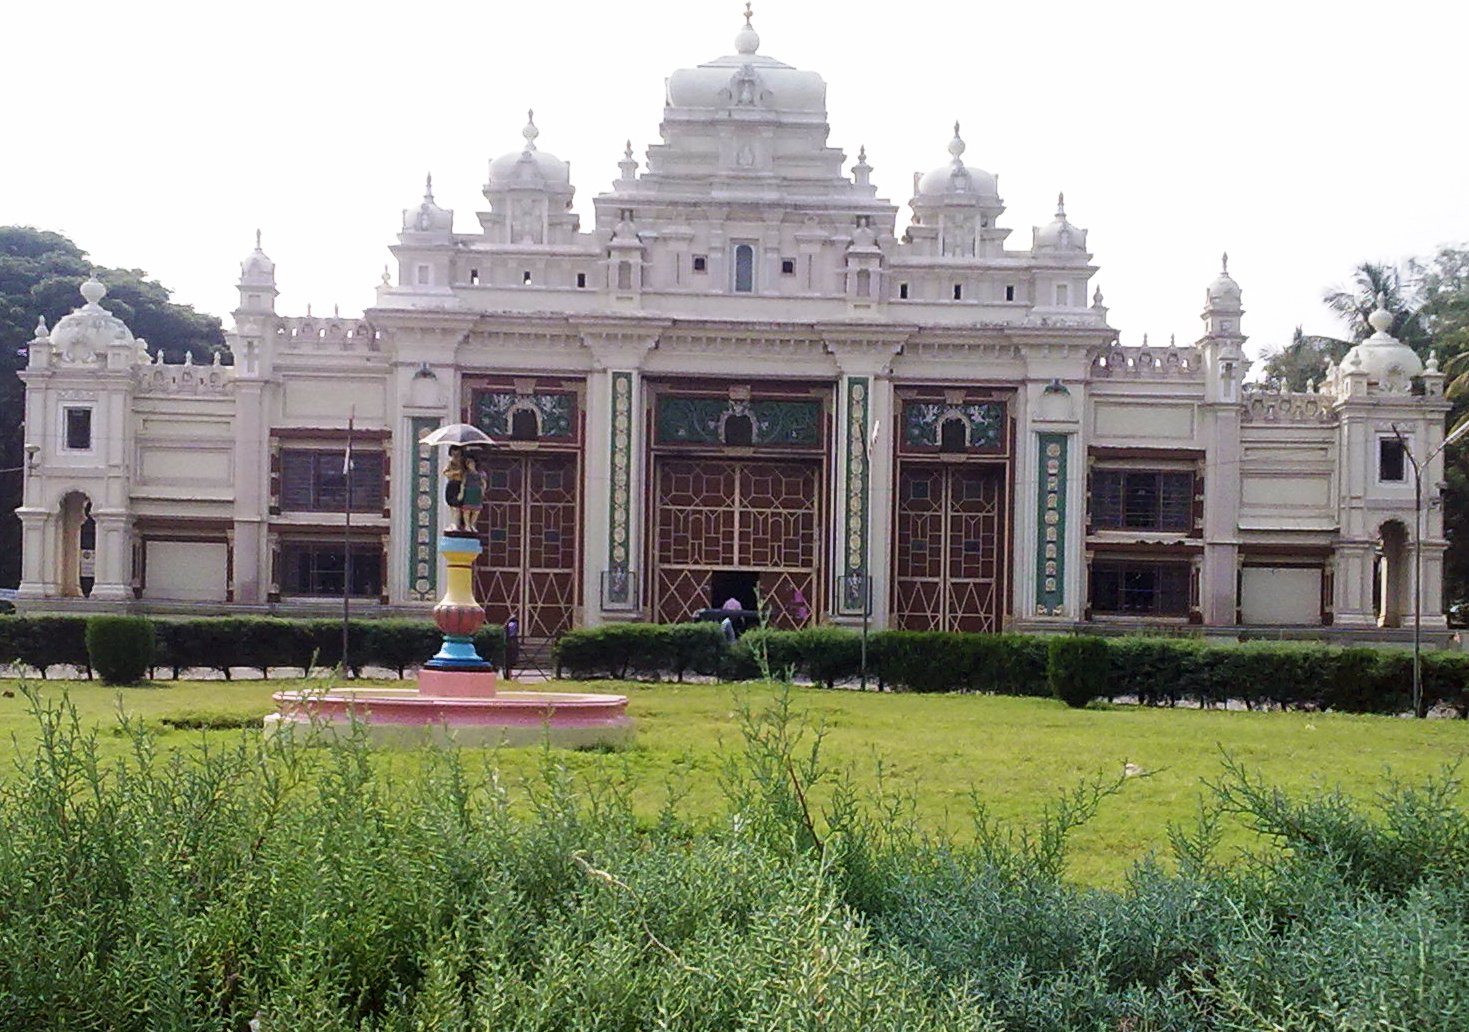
x=758, y=516
x=530, y=566
x=949, y=548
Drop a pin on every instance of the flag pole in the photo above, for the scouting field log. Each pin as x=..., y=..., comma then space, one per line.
x=347, y=542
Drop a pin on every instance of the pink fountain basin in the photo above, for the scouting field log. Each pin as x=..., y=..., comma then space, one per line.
x=402, y=716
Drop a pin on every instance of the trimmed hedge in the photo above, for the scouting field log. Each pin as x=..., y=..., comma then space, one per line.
x=1077, y=669
x=250, y=642
x=1156, y=671
x=121, y=647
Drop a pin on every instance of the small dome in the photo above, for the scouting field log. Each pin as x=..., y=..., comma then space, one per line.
x=257, y=268
x=1059, y=234
x=529, y=166
x=1224, y=290
x=428, y=217
x=84, y=334
x=958, y=178
x=1386, y=360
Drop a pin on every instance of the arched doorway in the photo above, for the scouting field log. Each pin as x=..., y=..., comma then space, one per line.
x=77, y=547
x=1394, y=575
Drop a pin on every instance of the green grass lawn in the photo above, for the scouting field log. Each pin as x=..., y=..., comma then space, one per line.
x=1013, y=754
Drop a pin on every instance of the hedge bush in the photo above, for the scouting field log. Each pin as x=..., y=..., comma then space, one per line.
x=226, y=643
x=120, y=647
x=1077, y=671
x=1153, y=670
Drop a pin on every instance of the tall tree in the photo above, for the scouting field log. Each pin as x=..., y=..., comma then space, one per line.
x=1302, y=361
x=1353, y=303
x=39, y=276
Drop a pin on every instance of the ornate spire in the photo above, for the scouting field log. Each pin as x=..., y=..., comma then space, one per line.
x=257, y=240
x=428, y=188
x=41, y=332
x=861, y=171
x=628, y=164
x=1061, y=206
x=956, y=146
x=1224, y=264
x=530, y=132
x=747, y=40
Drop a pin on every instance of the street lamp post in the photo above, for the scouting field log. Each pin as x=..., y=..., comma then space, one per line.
x=1418, y=529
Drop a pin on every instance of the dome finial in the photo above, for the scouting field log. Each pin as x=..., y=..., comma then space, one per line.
x=93, y=290
x=1381, y=319
x=747, y=40
x=530, y=132
x=1061, y=205
x=428, y=188
x=257, y=240
x=1224, y=263
x=956, y=145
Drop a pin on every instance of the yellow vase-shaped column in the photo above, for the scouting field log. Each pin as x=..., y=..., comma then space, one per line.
x=458, y=614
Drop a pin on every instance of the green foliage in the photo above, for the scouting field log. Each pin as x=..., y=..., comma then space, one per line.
x=120, y=647
x=223, y=644
x=1077, y=669
x=314, y=888
x=614, y=650
x=694, y=648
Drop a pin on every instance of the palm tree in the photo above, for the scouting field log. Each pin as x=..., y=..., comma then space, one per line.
x=1356, y=301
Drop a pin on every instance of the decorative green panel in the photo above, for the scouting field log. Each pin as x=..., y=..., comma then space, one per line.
x=858, y=473
x=985, y=420
x=1050, y=559
x=618, y=591
x=554, y=412
x=423, y=508
x=701, y=421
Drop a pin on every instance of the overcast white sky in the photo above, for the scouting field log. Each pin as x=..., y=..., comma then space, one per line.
x=1301, y=137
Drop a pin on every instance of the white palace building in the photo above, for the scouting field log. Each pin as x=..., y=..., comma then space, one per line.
x=752, y=374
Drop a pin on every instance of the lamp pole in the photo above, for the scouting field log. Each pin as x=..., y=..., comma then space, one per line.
x=1418, y=531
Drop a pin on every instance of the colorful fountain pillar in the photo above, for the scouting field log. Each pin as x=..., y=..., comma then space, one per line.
x=459, y=614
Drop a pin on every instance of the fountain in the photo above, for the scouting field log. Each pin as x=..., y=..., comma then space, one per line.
x=457, y=699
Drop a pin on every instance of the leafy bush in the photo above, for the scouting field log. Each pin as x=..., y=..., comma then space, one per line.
x=313, y=888
x=694, y=647
x=1077, y=669
x=120, y=647
x=614, y=650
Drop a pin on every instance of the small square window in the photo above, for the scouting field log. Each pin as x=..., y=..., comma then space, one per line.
x=903, y=291
x=958, y=292
x=701, y=263
x=787, y=266
x=474, y=277
x=79, y=429
x=1010, y=293
x=525, y=278
x=1392, y=466
x=581, y=279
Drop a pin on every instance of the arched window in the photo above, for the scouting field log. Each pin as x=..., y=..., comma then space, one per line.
x=953, y=435
x=524, y=426
x=739, y=431
x=744, y=268
x=864, y=283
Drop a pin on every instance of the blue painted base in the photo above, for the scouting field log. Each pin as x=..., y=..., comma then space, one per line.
x=458, y=653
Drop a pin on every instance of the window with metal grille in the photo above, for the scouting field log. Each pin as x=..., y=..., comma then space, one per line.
x=312, y=481
x=1139, y=588
x=317, y=568
x=1140, y=499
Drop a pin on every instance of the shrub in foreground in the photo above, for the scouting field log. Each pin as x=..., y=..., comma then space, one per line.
x=120, y=648
x=332, y=887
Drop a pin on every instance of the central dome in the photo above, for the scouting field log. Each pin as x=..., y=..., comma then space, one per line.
x=529, y=166
x=747, y=78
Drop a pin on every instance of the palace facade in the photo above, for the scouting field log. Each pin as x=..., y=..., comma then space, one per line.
x=747, y=378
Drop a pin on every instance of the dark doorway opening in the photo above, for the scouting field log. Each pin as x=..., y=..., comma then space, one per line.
x=733, y=584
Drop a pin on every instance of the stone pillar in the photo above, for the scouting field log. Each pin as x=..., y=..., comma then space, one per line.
x=1050, y=507
x=612, y=528
x=38, y=562
x=114, y=574
x=862, y=488
x=1352, y=585
x=252, y=493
